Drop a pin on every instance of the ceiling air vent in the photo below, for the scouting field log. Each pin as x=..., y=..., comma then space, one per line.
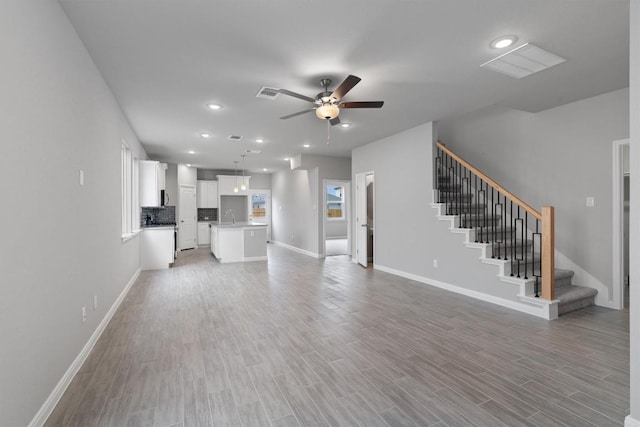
x=234, y=137
x=268, y=93
x=523, y=61
x=252, y=151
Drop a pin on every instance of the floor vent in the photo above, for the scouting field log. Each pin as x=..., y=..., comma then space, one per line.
x=252, y=151
x=234, y=137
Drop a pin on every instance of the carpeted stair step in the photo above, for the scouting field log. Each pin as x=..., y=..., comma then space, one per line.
x=470, y=220
x=462, y=208
x=572, y=297
x=490, y=234
x=562, y=278
x=447, y=197
x=511, y=248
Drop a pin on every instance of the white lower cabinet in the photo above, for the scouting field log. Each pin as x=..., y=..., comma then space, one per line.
x=156, y=248
x=214, y=242
x=204, y=235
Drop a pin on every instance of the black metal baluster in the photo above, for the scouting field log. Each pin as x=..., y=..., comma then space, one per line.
x=523, y=243
x=511, y=235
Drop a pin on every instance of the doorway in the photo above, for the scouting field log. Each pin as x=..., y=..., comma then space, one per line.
x=336, y=212
x=365, y=218
x=260, y=208
x=621, y=193
x=187, y=213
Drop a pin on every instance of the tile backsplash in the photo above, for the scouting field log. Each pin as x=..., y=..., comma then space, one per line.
x=208, y=214
x=164, y=215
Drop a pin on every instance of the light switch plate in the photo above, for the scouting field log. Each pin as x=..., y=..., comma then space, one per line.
x=591, y=202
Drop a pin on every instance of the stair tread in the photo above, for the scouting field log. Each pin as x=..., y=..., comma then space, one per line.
x=569, y=293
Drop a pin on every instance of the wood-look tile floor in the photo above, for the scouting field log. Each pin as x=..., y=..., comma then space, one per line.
x=301, y=341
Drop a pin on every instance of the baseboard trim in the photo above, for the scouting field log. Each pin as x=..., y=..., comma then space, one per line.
x=295, y=249
x=631, y=422
x=49, y=405
x=524, y=308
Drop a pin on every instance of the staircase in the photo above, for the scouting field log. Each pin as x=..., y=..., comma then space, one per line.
x=505, y=236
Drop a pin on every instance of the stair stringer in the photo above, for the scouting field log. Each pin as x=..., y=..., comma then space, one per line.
x=525, y=287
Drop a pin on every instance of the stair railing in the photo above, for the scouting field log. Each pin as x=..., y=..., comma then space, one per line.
x=517, y=233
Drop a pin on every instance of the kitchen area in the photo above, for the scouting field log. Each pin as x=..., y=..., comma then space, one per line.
x=232, y=219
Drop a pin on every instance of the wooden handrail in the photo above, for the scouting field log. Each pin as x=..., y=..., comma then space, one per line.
x=491, y=182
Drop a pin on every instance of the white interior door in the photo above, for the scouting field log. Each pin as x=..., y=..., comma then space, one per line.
x=260, y=208
x=361, y=219
x=187, y=225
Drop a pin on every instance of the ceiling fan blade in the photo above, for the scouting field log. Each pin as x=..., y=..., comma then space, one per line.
x=299, y=113
x=365, y=104
x=335, y=121
x=345, y=87
x=296, y=95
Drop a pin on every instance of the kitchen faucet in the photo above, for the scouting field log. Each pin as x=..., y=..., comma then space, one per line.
x=233, y=215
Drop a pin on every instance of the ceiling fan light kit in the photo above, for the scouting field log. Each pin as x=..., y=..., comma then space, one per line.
x=327, y=111
x=327, y=104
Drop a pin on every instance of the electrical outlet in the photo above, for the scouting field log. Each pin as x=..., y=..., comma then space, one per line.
x=253, y=233
x=84, y=314
x=591, y=202
x=95, y=302
x=435, y=263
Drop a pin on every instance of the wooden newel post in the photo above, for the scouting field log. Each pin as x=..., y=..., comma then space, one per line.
x=548, y=253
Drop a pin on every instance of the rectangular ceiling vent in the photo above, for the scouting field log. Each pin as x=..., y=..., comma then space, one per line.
x=523, y=61
x=252, y=151
x=268, y=92
x=234, y=137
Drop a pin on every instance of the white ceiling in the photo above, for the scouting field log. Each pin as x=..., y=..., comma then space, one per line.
x=165, y=60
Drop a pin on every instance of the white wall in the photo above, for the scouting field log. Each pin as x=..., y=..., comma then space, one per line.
x=557, y=157
x=61, y=242
x=297, y=201
x=634, y=250
x=408, y=236
x=294, y=194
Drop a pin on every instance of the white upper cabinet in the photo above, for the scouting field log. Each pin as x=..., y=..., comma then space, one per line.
x=226, y=184
x=151, y=175
x=207, y=194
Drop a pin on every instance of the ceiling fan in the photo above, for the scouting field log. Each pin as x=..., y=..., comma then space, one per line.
x=327, y=104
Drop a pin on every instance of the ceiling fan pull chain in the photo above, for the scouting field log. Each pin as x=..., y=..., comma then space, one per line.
x=328, y=132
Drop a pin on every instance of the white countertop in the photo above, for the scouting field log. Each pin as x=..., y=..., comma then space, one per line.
x=237, y=224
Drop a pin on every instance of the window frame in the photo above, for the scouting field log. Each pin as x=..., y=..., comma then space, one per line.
x=342, y=217
x=130, y=197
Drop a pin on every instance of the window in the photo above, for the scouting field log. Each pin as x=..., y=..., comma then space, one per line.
x=335, y=202
x=129, y=182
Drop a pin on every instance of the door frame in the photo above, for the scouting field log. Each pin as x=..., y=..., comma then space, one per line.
x=617, y=297
x=354, y=248
x=179, y=213
x=347, y=202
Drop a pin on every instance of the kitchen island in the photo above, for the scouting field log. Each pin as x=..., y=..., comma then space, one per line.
x=239, y=241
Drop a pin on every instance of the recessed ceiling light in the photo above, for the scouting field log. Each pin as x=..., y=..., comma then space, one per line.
x=205, y=135
x=345, y=125
x=191, y=152
x=259, y=140
x=502, y=42
x=188, y=165
x=214, y=106
x=306, y=145
x=286, y=159
x=264, y=169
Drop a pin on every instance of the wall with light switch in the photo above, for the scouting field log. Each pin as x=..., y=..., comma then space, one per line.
x=63, y=271
x=560, y=157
